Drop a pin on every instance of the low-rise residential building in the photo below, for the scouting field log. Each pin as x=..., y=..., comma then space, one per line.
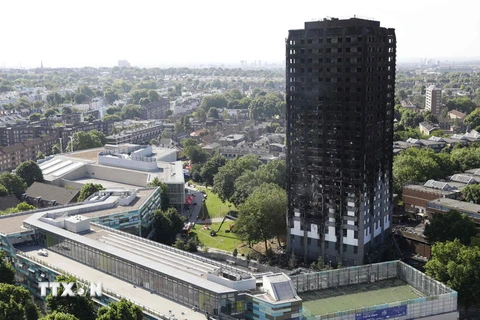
x=444, y=205
x=43, y=195
x=231, y=140
x=427, y=127
x=154, y=110
x=137, y=136
x=12, y=156
x=455, y=114
x=7, y=202
x=416, y=197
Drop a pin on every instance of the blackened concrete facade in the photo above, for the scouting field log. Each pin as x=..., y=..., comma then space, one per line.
x=340, y=77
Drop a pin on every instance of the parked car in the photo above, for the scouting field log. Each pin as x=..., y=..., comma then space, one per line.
x=42, y=252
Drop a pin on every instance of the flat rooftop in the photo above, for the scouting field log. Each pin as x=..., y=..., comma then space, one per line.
x=137, y=294
x=158, y=254
x=141, y=197
x=107, y=184
x=167, y=260
x=456, y=204
x=89, y=154
x=338, y=299
x=13, y=223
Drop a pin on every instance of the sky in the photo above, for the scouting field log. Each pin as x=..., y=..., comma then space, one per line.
x=77, y=33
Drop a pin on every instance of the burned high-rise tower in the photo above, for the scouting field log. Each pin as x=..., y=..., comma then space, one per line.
x=340, y=102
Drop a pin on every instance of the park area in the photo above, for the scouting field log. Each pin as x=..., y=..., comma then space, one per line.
x=224, y=240
x=214, y=207
x=352, y=297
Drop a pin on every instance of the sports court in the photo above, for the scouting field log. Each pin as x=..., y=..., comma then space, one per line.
x=357, y=296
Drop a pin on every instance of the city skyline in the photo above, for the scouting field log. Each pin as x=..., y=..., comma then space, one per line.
x=88, y=33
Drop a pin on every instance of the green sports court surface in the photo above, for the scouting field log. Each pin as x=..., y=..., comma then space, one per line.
x=357, y=296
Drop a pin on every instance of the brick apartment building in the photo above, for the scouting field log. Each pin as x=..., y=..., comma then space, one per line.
x=12, y=156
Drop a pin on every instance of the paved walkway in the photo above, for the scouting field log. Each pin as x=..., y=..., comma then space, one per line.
x=138, y=295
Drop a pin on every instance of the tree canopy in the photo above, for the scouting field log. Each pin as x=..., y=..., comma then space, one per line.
x=30, y=172
x=262, y=216
x=81, y=306
x=165, y=200
x=167, y=225
x=450, y=226
x=120, y=310
x=457, y=266
x=7, y=272
x=419, y=165
x=16, y=303
x=58, y=316
x=471, y=193
x=89, y=189
x=13, y=183
x=86, y=140
x=224, y=180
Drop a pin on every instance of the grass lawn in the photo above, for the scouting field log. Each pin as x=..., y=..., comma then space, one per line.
x=223, y=240
x=215, y=208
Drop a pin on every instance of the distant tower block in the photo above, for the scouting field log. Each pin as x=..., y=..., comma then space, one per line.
x=123, y=64
x=433, y=99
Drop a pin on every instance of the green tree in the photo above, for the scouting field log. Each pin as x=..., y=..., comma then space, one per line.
x=471, y=193
x=200, y=115
x=30, y=172
x=138, y=94
x=215, y=101
x=213, y=113
x=224, y=179
x=16, y=303
x=466, y=158
x=464, y=104
x=89, y=118
x=165, y=200
x=211, y=167
x=89, y=189
x=13, y=183
x=59, y=316
x=114, y=110
x=120, y=310
x=112, y=117
x=167, y=225
x=81, y=306
x=450, y=226
x=50, y=112
x=3, y=191
x=457, y=266
x=111, y=95
x=473, y=119
x=35, y=116
x=40, y=155
x=419, y=165
x=23, y=206
x=262, y=216
x=7, y=272
x=153, y=95
x=86, y=140
x=131, y=111
x=56, y=149
x=54, y=99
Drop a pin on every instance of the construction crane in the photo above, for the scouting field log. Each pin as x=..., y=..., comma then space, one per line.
x=213, y=233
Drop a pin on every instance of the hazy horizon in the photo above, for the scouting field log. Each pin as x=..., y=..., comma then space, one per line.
x=191, y=33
